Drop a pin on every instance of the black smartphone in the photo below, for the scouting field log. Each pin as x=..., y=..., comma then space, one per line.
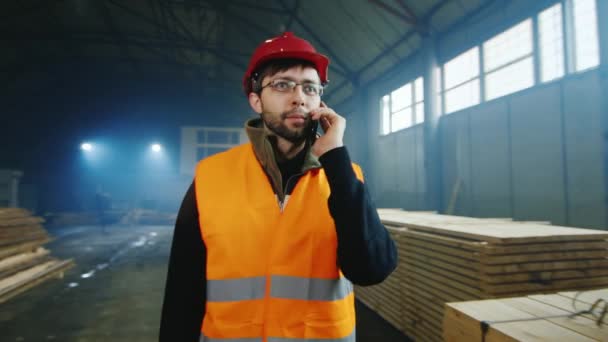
x=312, y=134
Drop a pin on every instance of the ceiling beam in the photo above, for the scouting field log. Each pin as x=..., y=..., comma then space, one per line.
x=408, y=10
x=24, y=11
x=243, y=5
x=292, y=14
x=91, y=38
x=220, y=54
x=408, y=17
x=345, y=69
x=118, y=37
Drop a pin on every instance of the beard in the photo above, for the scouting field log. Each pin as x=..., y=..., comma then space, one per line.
x=276, y=124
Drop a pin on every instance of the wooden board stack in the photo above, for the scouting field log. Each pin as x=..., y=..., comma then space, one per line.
x=535, y=317
x=24, y=263
x=449, y=258
x=386, y=298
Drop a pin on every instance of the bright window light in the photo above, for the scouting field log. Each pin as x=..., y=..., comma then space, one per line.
x=551, y=43
x=86, y=146
x=507, y=47
x=508, y=63
x=463, y=68
x=401, y=97
x=156, y=147
x=462, y=96
x=403, y=107
x=509, y=79
x=401, y=119
x=585, y=34
x=461, y=76
x=386, y=114
x=419, y=99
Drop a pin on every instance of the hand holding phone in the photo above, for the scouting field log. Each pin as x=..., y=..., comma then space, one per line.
x=333, y=126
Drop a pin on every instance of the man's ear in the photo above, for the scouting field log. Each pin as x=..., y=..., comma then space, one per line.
x=255, y=102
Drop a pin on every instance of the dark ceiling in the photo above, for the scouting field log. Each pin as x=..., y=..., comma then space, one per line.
x=211, y=40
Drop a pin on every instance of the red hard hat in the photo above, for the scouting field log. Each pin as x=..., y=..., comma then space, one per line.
x=286, y=45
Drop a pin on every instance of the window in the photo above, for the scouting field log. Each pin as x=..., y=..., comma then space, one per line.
x=585, y=34
x=551, y=44
x=403, y=107
x=508, y=62
x=461, y=76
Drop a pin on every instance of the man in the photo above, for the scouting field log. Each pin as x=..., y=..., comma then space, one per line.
x=271, y=234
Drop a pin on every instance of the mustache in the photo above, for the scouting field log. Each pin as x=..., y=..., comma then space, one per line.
x=296, y=111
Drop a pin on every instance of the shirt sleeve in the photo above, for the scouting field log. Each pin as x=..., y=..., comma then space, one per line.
x=185, y=289
x=366, y=251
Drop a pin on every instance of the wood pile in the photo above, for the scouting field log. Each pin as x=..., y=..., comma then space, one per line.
x=532, y=318
x=24, y=263
x=446, y=258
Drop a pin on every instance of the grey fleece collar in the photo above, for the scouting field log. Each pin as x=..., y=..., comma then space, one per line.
x=265, y=153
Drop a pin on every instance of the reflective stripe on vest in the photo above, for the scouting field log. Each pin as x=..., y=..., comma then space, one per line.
x=349, y=338
x=287, y=287
x=309, y=288
x=209, y=339
x=227, y=290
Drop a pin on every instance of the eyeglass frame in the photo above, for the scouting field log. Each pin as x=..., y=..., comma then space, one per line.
x=295, y=84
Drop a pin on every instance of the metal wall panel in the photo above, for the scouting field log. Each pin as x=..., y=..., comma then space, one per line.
x=490, y=159
x=586, y=188
x=456, y=163
x=537, y=154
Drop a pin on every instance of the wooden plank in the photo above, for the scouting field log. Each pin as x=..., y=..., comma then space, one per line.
x=490, y=249
x=20, y=221
x=553, y=286
x=12, y=261
x=441, y=264
x=467, y=245
x=24, y=246
x=449, y=274
x=11, y=213
x=439, y=248
x=25, y=280
x=511, y=233
x=488, y=270
x=505, y=323
x=544, y=276
x=579, y=324
x=540, y=257
x=492, y=231
x=439, y=279
x=472, y=264
x=588, y=297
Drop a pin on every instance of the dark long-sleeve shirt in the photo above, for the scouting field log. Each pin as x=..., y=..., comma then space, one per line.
x=366, y=253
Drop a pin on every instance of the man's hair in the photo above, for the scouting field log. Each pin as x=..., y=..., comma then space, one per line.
x=273, y=67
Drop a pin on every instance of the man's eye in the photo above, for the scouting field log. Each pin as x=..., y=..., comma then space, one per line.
x=309, y=88
x=282, y=85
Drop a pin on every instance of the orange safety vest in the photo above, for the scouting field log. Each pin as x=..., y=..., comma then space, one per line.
x=272, y=274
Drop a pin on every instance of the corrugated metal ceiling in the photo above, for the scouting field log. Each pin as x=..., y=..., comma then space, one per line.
x=212, y=39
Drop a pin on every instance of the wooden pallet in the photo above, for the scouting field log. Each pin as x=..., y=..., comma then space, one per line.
x=531, y=318
x=449, y=258
x=23, y=262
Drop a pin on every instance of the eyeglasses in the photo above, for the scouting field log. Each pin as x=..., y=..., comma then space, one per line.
x=284, y=86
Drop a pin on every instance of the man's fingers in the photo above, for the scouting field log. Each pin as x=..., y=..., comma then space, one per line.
x=325, y=124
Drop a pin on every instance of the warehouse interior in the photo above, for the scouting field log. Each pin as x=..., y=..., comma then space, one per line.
x=481, y=127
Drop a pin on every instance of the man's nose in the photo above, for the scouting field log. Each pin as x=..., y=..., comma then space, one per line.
x=298, y=95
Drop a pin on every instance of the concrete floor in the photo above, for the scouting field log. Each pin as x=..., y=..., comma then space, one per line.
x=115, y=291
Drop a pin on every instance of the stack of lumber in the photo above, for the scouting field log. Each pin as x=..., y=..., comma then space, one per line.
x=449, y=258
x=531, y=318
x=24, y=263
x=387, y=297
